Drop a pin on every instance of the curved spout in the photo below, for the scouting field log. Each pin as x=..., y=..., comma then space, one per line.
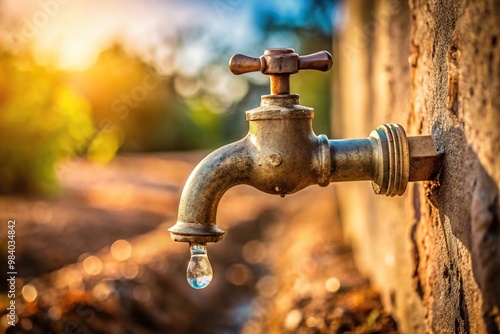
x=280, y=155
x=224, y=168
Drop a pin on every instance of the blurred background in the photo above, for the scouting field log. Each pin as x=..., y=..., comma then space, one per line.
x=95, y=79
x=105, y=108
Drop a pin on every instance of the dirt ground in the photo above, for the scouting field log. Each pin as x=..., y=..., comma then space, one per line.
x=99, y=259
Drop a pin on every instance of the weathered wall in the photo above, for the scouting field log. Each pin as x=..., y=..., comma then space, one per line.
x=434, y=67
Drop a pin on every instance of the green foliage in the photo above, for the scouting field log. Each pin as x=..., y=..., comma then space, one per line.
x=42, y=122
x=314, y=90
x=136, y=110
x=121, y=104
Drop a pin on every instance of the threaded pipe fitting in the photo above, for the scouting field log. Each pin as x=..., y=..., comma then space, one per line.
x=393, y=155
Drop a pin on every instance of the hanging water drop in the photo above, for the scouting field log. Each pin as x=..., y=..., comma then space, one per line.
x=199, y=272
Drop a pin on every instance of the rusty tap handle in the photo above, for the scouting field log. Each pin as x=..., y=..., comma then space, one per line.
x=321, y=61
x=279, y=64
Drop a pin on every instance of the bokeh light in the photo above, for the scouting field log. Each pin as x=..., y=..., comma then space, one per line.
x=267, y=286
x=92, y=265
x=54, y=313
x=129, y=270
x=142, y=293
x=238, y=274
x=293, y=319
x=121, y=250
x=29, y=293
x=26, y=324
x=102, y=290
x=332, y=284
x=311, y=322
x=254, y=251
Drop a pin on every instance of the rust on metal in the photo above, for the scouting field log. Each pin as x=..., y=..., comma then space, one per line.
x=279, y=64
x=281, y=154
x=425, y=159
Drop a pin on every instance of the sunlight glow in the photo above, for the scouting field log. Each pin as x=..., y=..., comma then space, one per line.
x=70, y=34
x=74, y=55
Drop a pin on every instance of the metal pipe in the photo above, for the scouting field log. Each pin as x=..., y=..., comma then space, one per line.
x=281, y=154
x=280, y=84
x=353, y=159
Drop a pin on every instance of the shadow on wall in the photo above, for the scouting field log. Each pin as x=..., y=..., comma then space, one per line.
x=476, y=227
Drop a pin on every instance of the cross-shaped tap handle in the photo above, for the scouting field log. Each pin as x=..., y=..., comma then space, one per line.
x=279, y=64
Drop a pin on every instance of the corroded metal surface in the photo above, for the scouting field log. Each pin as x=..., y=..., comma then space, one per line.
x=279, y=64
x=393, y=160
x=387, y=158
x=425, y=160
x=281, y=154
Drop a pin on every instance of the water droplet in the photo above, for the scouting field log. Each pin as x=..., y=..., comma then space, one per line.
x=199, y=272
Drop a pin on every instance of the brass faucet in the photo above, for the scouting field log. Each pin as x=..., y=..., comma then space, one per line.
x=281, y=154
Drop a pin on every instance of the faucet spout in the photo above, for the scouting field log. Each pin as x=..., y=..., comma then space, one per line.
x=280, y=155
x=224, y=168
